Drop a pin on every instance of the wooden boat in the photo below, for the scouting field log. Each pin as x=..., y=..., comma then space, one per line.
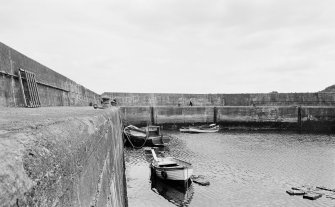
x=201, y=129
x=146, y=136
x=172, y=169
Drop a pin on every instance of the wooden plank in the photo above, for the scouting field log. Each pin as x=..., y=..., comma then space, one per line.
x=28, y=92
x=38, y=102
x=295, y=192
x=31, y=104
x=312, y=196
x=325, y=188
x=38, y=95
x=22, y=89
x=31, y=89
x=33, y=83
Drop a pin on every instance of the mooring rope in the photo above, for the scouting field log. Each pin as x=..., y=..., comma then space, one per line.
x=136, y=147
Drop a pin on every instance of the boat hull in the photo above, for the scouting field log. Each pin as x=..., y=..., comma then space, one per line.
x=194, y=130
x=212, y=128
x=148, y=136
x=180, y=170
x=181, y=175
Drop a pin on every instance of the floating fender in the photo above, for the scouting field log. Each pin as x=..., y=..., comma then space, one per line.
x=164, y=174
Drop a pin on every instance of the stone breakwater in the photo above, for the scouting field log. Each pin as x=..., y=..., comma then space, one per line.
x=243, y=99
x=61, y=157
x=303, y=118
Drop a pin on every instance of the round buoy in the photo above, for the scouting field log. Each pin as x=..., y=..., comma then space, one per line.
x=164, y=174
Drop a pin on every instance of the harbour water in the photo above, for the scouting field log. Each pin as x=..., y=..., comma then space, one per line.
x=244, y=169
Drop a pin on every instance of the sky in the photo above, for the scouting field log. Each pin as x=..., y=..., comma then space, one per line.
x=178, y=46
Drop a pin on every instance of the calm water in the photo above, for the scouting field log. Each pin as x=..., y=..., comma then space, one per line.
x=245, y=169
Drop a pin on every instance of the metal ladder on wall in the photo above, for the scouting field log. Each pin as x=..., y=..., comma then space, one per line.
x=31, y=97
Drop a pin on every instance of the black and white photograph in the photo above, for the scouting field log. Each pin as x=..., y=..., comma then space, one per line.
x=146, y=103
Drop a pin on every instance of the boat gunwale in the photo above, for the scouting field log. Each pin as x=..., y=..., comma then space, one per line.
x=181, y=164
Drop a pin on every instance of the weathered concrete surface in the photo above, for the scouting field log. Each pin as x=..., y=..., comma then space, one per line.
x=61, y=156
x=165, y=99
x=315, y=113
x=166, y=115
x=182, y=115
x=257, y=114
x=312, y=119
x=187, y=115
x=136, y=115
x=64, y=93
x=257, y=99
x=318, y=119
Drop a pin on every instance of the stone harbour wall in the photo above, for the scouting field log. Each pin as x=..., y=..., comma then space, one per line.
x=304, y=118
x=61, y=156
x=54, y=89
x=252, y=99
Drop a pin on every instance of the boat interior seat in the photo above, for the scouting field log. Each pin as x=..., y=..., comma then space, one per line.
x=174, y=165
x=167, y=162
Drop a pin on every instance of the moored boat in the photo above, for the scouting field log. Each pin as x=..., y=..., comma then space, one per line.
x=172, y=169
x=201, y=129
x=146, y=136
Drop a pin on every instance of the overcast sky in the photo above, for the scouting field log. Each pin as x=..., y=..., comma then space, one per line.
x=183, y=46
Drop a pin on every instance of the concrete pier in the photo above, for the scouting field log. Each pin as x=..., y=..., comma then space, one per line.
x=61, y=156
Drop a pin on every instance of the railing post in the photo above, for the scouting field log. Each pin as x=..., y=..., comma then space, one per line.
x=22, y=89
x=299, y=119
x=152, y=115
x=215, y=118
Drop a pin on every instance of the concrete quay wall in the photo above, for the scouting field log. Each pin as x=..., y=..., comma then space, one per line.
x=61, y=156
x=54, y=89
x=254, y=99
x=305, y=118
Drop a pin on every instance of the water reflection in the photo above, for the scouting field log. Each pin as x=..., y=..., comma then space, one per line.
x=179, y=195
x=245, y=169
x=175, y=192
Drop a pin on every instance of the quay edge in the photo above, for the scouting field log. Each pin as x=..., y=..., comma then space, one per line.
x=62, y=156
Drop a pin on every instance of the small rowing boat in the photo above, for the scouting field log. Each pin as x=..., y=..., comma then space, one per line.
x=146, y=136
x=172, y=169
x=201, y=129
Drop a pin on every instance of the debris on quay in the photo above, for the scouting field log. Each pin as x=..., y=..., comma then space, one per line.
x=312, y=193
